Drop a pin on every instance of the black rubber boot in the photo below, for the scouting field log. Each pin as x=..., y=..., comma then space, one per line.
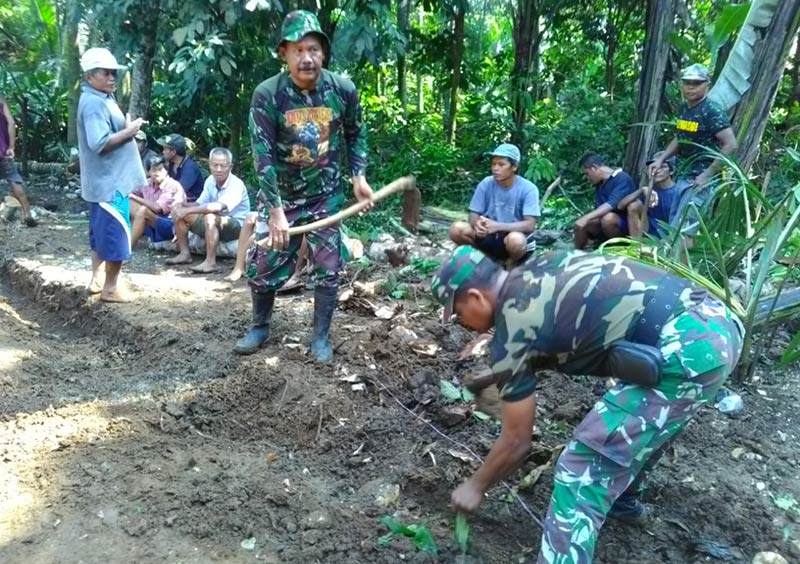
x=324, y=304
x=259, y=332
x=629, y=510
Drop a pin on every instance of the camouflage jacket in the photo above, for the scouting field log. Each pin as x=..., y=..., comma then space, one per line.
x=564, y=309
x=699, y=124
x=297, y=137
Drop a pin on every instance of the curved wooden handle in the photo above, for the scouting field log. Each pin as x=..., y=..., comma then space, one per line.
x=643, y=217
x=399, y=185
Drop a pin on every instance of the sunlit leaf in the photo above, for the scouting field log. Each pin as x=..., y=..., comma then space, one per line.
x=729, y=21
x=450, y=391
x=179, y=35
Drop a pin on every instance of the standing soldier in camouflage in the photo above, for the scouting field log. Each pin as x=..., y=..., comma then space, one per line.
x=300, y=120
x=598, y=315
x=702, y=124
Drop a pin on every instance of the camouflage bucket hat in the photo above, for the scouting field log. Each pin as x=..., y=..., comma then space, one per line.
x=298, y=24
x=455, y=270
x=696, y=72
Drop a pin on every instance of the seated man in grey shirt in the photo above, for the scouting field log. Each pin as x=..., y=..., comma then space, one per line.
x=503, y=211
x=217, y=215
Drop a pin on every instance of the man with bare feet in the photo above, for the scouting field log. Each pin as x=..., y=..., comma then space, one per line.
x=503, y=211
x=8, y=170
x=110, y=170
x=217, y=215
x=151, y=205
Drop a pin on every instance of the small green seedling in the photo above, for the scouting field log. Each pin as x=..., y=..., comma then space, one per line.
x=451, y=392
x=420, y=535
x=461, y=532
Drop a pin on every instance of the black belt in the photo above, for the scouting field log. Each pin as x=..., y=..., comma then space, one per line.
x=659, y=307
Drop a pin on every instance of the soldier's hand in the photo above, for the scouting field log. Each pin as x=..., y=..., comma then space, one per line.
x=362, y=190
x=654, y=166
x=278, y=229
x=466, y=497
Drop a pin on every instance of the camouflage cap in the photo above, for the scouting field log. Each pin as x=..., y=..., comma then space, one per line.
x=670, y=162
x=298, y=24
x=455, y=270
x=696, y=72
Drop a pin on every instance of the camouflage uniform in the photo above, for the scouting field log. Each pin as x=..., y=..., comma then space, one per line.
x=297, y=138
x=563, y=310
x=698, y=125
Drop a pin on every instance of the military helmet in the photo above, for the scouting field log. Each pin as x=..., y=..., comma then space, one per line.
x=298, y=24
x=455, y=270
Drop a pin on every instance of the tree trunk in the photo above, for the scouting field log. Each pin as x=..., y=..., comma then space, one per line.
x=238, y=116
x=611, y=51
x=142, y=77
x=24, y=130
x=403, y=7
x=771, y=52
x=70, y=69
x=458, y=56
x=526, y=38
x=652, y=80
x=795, y=96
x=420, y=77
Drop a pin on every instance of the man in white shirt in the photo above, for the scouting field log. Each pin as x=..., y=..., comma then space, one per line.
x=218, y=214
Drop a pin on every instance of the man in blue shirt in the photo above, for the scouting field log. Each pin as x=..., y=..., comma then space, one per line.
x=662, y=198
x=181, y=167
x=503, y=210
x=609, y=219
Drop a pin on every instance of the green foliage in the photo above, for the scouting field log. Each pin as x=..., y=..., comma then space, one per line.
x=393, y=288
x=453, y=393
x=792, y=352
x=461, y=532
x=728, y=22
x=420, y=535
x=419, y=269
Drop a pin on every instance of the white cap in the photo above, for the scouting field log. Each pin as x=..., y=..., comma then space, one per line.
x=99, y=58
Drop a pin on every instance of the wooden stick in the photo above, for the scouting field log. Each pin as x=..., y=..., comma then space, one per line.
x=399, y=185
x=647, y=191
x=555, y=184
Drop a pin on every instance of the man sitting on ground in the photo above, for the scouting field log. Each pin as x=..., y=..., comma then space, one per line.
x=181, y=166
x=218, y=214
x=609, y=219
x=503, y=210
x=145, y=152
x=151, y=205
x=662, y=199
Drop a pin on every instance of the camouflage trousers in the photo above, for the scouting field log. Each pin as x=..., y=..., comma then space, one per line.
x=267, y=270
x=628, y=430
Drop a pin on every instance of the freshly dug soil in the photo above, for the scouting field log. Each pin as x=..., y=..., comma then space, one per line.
x=132, y=433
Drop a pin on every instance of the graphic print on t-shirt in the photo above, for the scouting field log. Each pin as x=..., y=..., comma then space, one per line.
x=686, y=125
x=310, y=130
